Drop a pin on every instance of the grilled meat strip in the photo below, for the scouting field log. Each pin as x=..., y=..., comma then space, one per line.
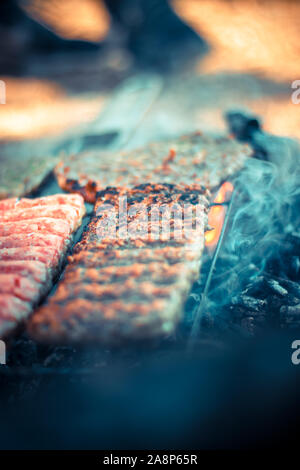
x=55, y=199
x=128, y=277
x=197, y=158
x=34, y=236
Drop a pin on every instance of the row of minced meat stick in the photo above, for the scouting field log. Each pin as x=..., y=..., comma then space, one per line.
x=131, y=285
x=34, y=236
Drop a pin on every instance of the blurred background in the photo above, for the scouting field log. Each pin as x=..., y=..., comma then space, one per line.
x=61, y=60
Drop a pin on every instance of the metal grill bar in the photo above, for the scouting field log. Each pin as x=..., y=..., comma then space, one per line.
x=195, y=330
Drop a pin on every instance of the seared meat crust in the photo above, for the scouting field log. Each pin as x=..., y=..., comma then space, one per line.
x=192, y=159
x=127, y=285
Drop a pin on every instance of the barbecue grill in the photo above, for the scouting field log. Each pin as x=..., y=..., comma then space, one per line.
x=237, y=294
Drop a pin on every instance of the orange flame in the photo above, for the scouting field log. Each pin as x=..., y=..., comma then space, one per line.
x=216, y=215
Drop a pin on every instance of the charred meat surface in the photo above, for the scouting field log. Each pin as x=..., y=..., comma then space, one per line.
x=196, y=158
x=34, y=236
x=129, y=275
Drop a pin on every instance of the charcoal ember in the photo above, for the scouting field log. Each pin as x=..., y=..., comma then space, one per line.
x=251, y=303
x=291, y=286
x=276, y=287
x=253, y=324
x=291, y=300
x=238, y=313
x=290, y=311
x=262, y=287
